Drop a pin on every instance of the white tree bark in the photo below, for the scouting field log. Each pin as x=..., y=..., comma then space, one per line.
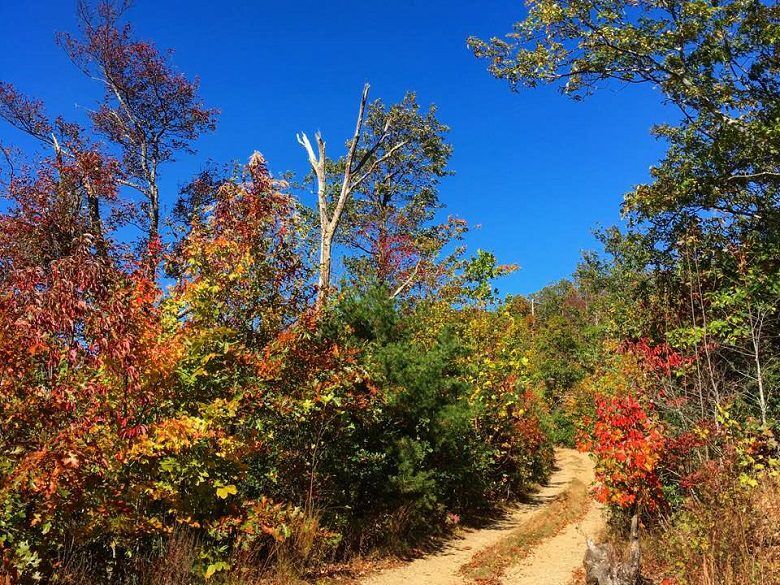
x=355, y=173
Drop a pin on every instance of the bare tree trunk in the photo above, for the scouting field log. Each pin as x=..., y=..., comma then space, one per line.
x=355, y=172
x=604, y=567
x=756, y=326
x=96, y=223
x=326, y=254
x=761, y=395
x=154, y=215
x=149, y=162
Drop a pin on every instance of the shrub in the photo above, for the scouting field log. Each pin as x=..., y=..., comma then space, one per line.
x=728, y=533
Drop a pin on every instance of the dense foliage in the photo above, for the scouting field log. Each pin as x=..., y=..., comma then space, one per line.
x=196, y=388
x=681, y=408
x=226, y=418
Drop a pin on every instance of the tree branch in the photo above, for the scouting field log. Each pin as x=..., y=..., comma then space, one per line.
x=406, y=282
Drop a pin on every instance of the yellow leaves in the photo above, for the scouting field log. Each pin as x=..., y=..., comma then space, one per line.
x=156, y=524
x=240, y=268
x=171, y=436
x=214, y=568
x=748, y=481
x=160, y=491
x=38, y=519
x=225, y=491
x=307, y=406
x=188, y=521
x=549, y=12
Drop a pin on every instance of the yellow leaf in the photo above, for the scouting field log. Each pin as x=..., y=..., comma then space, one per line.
x=226, y=490
x=214, y=567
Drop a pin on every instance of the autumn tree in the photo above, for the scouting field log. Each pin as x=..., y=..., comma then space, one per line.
x=390, y=221
x=149, y=110
x=81, y=364
x=69, y=145
x=716, y=62
x=714, y=198
x=241, y=265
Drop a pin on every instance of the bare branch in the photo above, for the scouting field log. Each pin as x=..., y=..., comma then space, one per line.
x=406, y=282
x=358, y=130
x=303, y=140
x=376, y=163
x=318, y=166
x=748, y=177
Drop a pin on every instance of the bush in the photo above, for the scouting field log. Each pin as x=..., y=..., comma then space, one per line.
x=229, y=420
x=727, y=534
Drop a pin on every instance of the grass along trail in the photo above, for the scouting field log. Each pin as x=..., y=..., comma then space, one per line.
x=539, y=542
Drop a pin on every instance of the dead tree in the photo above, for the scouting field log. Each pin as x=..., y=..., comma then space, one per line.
x=603, y=565
x=356, y=170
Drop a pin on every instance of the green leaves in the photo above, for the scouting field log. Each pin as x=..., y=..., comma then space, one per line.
x=714, y=61
x=215, y=568
x=479, y=274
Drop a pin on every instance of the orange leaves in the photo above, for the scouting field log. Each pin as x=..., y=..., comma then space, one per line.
x=628, y=442
x=86, y=358
x=171, y=436
x=241, y=264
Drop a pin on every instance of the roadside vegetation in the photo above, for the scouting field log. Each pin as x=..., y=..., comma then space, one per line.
x=680, y=405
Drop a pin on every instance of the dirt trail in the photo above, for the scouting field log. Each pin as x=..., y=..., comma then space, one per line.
x=551, y=562
x=554, y=561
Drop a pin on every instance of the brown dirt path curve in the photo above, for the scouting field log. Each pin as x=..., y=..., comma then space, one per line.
x=556, y=558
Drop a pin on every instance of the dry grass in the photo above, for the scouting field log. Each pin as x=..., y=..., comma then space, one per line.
x=489, y=565
x=725, y=536
x=180, y=562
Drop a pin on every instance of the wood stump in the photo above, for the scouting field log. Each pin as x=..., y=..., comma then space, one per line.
x=603, y=565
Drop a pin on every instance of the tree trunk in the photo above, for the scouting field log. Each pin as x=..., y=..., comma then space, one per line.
x=756, y=325
x=326, y=243
x=354, y=175
x=603, y=565
x=96, y=225
x=154, y=214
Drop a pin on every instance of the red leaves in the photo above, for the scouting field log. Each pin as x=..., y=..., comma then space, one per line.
x=146, y=101
x=628, y=442
x=145, y=96
x=81, y=343
x=660, y=357
x=22, y=112
x=244, y=256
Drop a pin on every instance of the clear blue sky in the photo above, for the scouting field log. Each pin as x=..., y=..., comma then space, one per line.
x=535, y=170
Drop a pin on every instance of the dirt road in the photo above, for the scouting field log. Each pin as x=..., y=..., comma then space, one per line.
x=550, y=562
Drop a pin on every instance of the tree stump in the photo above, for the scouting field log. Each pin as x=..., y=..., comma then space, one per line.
x=603, y=566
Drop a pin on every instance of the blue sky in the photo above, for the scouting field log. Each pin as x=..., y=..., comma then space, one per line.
x=535, y=170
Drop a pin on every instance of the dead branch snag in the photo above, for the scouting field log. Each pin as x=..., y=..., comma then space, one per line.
x=603, y=565
x=356, y=170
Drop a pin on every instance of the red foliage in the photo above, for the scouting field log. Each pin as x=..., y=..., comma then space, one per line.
x=394, y=255
x=82, y=353
x=149, y=111
x=244, y=256
x=146, y=101
x=628, y=442
x=26, y=114
x=659, y=357
x=677, y=456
